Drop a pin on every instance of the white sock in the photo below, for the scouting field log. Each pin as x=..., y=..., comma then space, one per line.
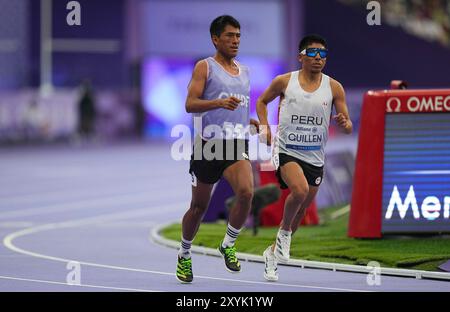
x=230, y=236
x=284, y=233
x=185, y=249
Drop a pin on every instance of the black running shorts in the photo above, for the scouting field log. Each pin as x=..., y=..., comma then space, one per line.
x=313, y=174
x=208, y=170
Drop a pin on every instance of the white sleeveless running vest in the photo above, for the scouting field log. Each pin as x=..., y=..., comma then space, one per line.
x=304, y=119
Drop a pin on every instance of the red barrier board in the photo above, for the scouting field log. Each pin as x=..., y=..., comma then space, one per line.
x=368, y=202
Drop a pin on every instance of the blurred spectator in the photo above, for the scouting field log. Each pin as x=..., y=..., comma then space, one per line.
x=35, y=123
x=140, y=118
x=87, y=113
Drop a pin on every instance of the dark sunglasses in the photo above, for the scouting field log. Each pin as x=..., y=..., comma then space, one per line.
x=312, y=52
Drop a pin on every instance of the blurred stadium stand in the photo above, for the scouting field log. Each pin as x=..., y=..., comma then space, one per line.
x=139, y=54
x=429, y=20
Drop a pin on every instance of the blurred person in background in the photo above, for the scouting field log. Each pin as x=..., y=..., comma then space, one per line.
x=36, y=124
x=87, y=113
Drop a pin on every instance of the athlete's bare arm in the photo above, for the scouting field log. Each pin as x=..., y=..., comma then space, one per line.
x=194, y=103
x=276, y=88
x=342, y=117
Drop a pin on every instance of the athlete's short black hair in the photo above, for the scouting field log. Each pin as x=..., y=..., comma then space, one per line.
x=219, y=23
x=309, y=39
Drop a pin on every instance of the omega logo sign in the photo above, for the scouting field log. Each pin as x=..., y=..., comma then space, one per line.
x=436, y=103
x=393, y=102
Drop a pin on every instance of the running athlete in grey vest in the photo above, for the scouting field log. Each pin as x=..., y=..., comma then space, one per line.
x=306, y=99
x=218, y=95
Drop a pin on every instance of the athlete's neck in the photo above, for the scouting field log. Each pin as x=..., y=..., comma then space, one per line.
x=224, y=61
x=310, y=77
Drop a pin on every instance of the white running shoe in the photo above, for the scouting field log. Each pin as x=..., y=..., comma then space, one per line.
x=282, y=247
x=270, y=270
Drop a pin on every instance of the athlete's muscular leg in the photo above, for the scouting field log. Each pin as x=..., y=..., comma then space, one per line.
x=199, y=204
x=294, y=177
x=302, y=211
x=240, y=177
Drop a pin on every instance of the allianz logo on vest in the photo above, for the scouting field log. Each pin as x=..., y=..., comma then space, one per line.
x=430, y=209
x=245, y=99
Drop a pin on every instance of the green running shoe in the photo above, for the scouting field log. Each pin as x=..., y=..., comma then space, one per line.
x=184, y=270
x=231, y=262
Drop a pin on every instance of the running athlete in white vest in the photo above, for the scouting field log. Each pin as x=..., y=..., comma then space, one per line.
x=306, y=100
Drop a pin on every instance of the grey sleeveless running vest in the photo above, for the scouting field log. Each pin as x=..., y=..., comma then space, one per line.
x=221, y=84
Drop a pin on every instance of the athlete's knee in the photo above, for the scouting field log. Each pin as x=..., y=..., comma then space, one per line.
x=299, y=192
x=244, y=194
x=198, y=207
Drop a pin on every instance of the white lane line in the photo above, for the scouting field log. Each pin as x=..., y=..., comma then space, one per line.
x=339, y=213
x=142, y=224
x=29, y=191
x=8, y=242
x=123, y=215
x=75, y=205
x=82, y=188
x=81, y=285
x=16, y=224
x=281, y=284
x=64, y=195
